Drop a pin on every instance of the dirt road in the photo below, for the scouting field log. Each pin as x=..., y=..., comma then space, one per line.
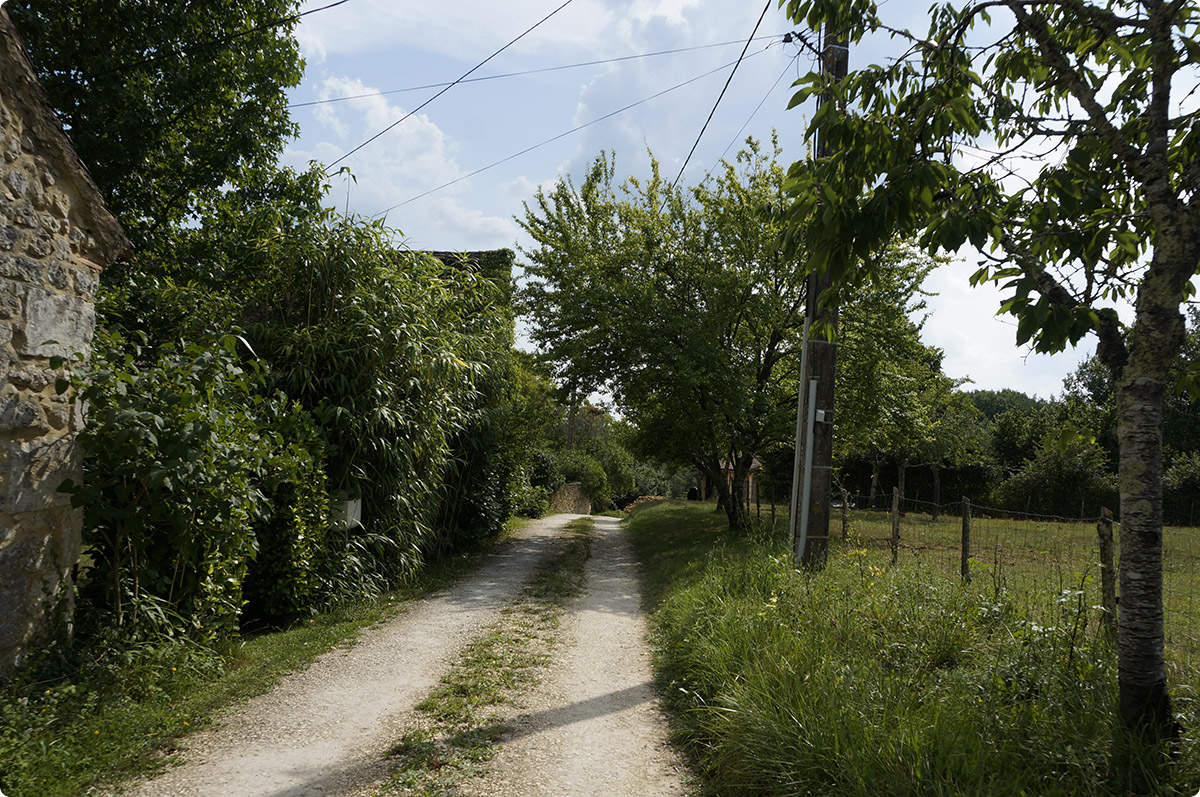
x=591, y=728
x=594, y=726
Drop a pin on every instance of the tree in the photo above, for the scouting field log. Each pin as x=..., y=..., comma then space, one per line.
x=955, y=435
x=677, y=301
x=1084, y=89
x=1016, y=434
x=166, y=102
x=994, y=402
x=1066, y=477
x=883, y=365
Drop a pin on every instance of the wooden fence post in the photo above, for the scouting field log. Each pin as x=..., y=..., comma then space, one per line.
x=966, y=540
x=895, y=524
x=1108, y=574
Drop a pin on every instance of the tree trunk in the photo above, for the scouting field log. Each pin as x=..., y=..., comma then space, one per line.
x=901, y=472
x=1141, y=369
x=739, y=519
x=1145, y=704
x=729, y=498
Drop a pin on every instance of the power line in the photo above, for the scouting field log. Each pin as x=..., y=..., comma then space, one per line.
x=732, y=72
x=447, y=88
x=760, y=105
x=525, y=72
x=211, y=43
x=565, y=134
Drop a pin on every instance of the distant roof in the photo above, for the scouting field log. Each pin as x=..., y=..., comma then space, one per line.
x=20, y=86
x=477, y=259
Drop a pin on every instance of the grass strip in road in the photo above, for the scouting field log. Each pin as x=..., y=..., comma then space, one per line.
x=863, y=678
x=63, y=735
x=458, y=730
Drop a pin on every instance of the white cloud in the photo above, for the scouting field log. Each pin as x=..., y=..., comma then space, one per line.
x=412, y=158
x=469, y=30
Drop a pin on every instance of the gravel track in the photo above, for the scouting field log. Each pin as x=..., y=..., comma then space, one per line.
x=593, y=727
x=325, y=730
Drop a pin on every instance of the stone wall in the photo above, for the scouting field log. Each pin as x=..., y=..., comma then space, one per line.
x=48, y=279
x=570, y=498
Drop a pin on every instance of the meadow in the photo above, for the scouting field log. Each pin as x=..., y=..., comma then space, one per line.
x=873, y=678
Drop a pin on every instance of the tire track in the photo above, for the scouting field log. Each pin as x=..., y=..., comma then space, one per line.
x=325, y=730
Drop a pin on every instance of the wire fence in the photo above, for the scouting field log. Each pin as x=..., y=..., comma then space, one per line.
x=1048, y=565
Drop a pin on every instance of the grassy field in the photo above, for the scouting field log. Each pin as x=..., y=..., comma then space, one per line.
x=868, y=678
x=1034, y=562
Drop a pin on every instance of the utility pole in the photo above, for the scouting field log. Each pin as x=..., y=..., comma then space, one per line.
x=822, y=357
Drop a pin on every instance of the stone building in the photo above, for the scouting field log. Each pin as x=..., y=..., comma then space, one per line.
x=55, y=235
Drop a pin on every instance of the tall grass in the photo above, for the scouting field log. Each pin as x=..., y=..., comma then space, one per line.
x=870, y=679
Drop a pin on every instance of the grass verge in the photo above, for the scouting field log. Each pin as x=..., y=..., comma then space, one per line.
x=865, y=679
x=105, y=722
x=459, y=729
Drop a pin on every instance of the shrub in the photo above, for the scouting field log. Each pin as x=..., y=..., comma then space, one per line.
x=174, y=454
x=388, y=350
x=282, y=580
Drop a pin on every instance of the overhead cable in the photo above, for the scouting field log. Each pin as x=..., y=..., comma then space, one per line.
x=732, y=72
x=758, y=107
x=524, y=72
x=450, y=86
x=565, y=134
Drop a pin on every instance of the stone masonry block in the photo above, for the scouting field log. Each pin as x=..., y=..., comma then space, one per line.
x=66, y=320
x=42, y=467
x=17, y=183
x=32, y=376
x=20, y=412
x=21, y=268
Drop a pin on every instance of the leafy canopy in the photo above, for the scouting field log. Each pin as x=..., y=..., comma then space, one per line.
x=678, y=301
x=166, y=102
x=940, y=141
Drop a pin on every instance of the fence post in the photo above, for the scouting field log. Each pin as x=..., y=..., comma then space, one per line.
x=1108, y=574
x=895, y=524
x=966, y=540
x=845, y=513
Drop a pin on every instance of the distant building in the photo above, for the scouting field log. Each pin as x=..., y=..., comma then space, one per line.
x=750, y=484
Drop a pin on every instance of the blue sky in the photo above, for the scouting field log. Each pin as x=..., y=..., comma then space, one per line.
x=369, y=47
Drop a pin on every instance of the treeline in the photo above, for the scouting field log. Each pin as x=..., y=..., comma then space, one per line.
x=1008, y=450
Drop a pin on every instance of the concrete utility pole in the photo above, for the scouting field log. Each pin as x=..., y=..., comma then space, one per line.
x=822, y=358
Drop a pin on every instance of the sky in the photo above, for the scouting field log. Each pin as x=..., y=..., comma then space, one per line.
x=392, y=56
